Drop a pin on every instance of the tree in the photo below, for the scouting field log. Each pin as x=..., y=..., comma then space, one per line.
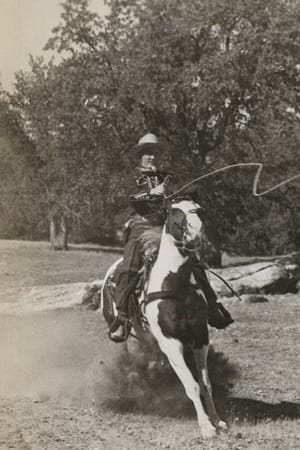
x=219, y=81
x=20, y=203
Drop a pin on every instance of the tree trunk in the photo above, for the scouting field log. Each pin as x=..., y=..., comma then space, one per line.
x=58, y=233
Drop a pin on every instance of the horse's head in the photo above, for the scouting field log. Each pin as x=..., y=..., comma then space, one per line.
x=184, y=224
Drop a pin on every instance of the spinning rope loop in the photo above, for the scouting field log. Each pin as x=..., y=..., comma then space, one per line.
x=223, y=169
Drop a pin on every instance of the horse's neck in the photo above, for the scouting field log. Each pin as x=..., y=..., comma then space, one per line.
x=168, y=260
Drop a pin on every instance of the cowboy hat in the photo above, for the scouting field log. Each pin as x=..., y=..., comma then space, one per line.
x=148, y=144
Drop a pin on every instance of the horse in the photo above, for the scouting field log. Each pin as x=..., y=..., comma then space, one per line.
x=174, y=308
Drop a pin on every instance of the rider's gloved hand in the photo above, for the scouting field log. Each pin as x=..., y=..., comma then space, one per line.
x=158, y=190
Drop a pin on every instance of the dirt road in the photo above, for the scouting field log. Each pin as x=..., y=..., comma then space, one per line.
x=64, y=385
x=58, y=390
x=61, y=387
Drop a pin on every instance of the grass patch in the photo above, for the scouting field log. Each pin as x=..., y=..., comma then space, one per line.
x=25, y=264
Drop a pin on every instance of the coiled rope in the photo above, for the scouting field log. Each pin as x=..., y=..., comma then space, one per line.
x=232, y=166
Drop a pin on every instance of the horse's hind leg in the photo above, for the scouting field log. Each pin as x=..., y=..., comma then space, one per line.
x=173, y=349
x=205, y=386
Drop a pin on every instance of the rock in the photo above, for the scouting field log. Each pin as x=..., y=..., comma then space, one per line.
x=254, y=298
x=92, y=295
x=271, y=277
x=29, y=299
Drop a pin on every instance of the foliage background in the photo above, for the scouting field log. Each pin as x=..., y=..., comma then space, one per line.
x=217, y=81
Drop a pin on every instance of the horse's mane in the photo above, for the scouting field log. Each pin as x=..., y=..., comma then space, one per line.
x=187, y=197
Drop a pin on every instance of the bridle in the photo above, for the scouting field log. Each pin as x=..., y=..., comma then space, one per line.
x=182, y=244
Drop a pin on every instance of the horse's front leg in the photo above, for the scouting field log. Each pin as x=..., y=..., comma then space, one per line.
x=200, y=356
x=173, y=349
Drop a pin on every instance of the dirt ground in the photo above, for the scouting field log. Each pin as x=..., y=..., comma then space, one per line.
x=64, y=385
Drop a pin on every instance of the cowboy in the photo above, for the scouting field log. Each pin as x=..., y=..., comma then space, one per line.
x=144, y=227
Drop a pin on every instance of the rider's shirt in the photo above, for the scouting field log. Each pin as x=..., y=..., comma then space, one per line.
x=149, y=178
x=146, y=205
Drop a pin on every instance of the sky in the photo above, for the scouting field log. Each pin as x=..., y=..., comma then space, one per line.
x=25, y=26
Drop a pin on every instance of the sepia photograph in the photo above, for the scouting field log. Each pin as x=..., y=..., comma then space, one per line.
x=149, y=224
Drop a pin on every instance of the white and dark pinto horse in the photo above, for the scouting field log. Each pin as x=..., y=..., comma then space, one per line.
x=176, y=312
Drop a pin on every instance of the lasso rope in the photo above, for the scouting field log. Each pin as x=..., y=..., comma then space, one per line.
x=223, y=169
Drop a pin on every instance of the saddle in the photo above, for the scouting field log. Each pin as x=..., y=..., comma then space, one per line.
x=130, y=314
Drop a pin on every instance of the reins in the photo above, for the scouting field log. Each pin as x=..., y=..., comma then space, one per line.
x=224, y=281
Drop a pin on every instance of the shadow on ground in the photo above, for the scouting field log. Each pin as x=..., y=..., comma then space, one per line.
x=256, y=410
x=144, y=382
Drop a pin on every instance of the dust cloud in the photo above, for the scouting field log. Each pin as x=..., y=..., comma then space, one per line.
x=57, y=355
x=144, y=381
x=65, y=356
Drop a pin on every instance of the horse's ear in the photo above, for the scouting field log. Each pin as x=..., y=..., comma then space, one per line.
x=192, y=193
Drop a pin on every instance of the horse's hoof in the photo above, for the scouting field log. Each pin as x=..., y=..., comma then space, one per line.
x=222, y=425
x=208, y=431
